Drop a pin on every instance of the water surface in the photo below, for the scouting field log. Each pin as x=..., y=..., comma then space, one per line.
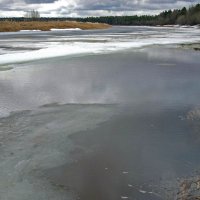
x=101, y=124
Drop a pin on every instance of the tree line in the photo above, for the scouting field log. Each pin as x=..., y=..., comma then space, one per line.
x=184, y=16
x=33, y=14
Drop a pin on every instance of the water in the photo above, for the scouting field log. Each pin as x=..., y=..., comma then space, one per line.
x=68, y=43
x=117, y=118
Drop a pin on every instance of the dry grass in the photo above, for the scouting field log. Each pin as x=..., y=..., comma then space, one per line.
x=8, y=26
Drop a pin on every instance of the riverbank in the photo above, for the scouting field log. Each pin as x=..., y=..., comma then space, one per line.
x=8, y=26
x=194, y=46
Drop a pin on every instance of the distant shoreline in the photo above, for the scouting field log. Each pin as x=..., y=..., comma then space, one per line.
x=13, y=26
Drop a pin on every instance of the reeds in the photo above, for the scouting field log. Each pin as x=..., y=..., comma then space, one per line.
x=11, y=26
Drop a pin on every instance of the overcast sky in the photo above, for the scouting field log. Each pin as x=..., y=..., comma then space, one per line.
x=74, y=8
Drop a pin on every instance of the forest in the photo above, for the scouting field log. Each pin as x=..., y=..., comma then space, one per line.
x=184, y=16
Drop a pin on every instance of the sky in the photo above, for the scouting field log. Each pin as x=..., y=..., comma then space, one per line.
x=83, y=8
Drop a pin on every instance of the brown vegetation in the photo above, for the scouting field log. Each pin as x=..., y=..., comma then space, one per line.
x=189, y=189
x=11, y=26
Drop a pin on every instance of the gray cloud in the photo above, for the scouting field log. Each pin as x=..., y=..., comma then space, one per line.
x=90, y=7
x=123, y=5
x=39, y=1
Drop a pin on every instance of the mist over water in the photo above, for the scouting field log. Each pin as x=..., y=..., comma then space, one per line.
x=150, y=76
x=110, y=122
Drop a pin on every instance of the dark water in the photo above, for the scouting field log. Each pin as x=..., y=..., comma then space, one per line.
x=142, y=152
x=121, y=132
x=161, y=76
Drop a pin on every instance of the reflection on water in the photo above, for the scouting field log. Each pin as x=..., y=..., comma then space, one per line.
x=136, y=155
x=123, y=133
x=33, y=141
x=133, y=77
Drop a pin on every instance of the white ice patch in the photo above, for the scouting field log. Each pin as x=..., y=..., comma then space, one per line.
x=4, y=114
x=30, y=30
x=66, y=29
x=124, y=197
x=21, y=164
x=129, y=185
x=59, y=46
x=142, y=191
x=75, y=48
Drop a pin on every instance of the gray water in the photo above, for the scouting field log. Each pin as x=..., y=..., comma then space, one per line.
x=122, y=124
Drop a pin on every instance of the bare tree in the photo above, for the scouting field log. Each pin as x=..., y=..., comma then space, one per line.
x=33, y=14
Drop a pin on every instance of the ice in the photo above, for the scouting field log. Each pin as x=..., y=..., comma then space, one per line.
x=129, y=185
x=26, y=154
x=143, y=191
x=39, y=136
x=30, y=30
x=94, y=43
x=124, y=197
x=66, y=29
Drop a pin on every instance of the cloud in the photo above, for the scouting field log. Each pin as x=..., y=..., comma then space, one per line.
x=89, y=7
x=39, y=1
